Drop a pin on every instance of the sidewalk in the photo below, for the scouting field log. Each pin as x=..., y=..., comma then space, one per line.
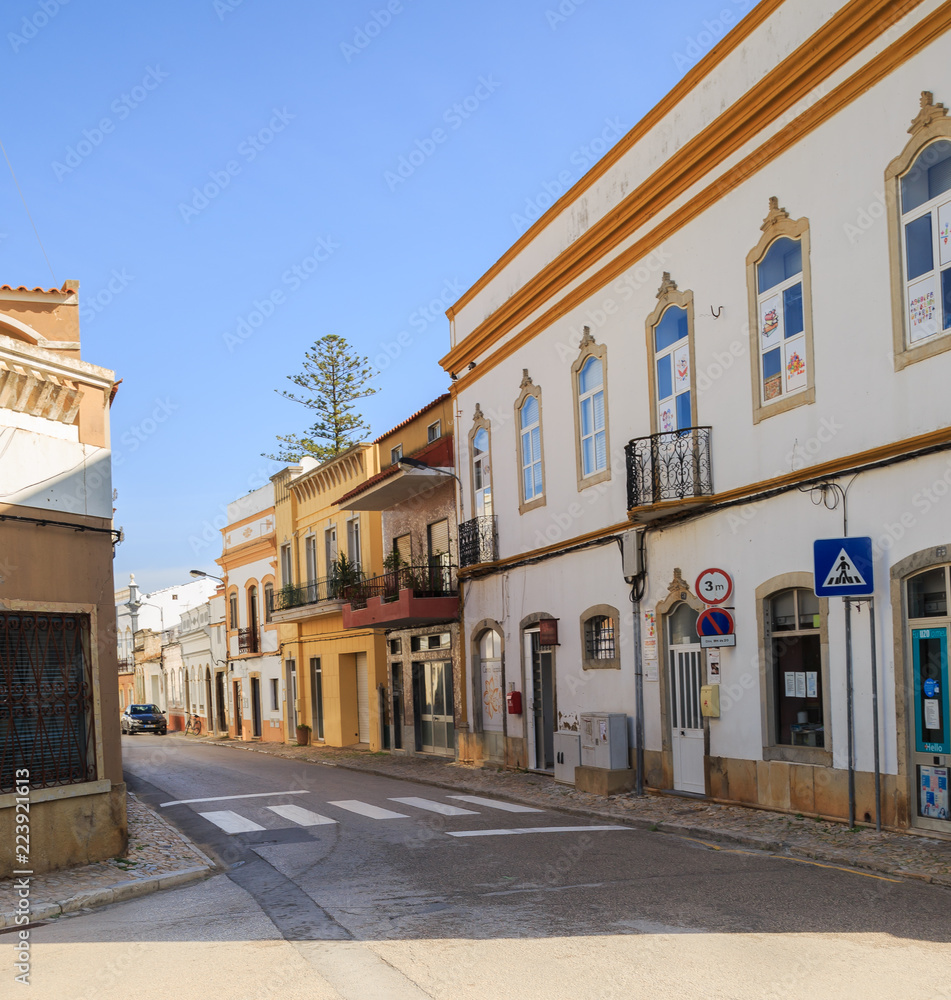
x=158, y=857
x=905, y=855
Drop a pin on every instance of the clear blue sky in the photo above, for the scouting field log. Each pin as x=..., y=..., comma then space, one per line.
x=295, y=115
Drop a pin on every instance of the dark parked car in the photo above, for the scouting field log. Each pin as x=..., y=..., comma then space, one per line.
x=143, y=719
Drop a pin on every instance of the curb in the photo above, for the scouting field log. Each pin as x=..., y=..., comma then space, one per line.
x=118, y=893
x=716, y=835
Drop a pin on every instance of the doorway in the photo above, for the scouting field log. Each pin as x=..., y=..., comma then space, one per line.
x=209, y=723
x=317, y=697
x=363, y=699
x=290, y=680
x=256, y=707
x=685, y=675
x=542, y=663
x=238, y=731
x=433, y=706
x=221, y=714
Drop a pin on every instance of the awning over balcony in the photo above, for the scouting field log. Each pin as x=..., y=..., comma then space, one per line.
x=398, y=487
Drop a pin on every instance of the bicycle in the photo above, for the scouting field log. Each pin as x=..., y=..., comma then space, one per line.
x=194, y=726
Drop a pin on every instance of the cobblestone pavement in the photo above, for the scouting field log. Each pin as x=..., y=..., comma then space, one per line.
x=157, y=856
x=906, y=855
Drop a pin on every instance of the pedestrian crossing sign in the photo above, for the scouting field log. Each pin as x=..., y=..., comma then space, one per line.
x=843, y=567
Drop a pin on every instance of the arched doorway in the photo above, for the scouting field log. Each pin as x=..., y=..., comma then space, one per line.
x=684, y=677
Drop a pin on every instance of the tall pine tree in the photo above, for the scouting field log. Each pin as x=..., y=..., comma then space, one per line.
x=334, y=377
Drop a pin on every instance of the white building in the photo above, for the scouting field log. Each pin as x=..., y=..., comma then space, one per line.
x=741, y=312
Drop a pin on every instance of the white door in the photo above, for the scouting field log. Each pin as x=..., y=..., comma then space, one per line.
x=685, y=675
x=363, y=698
x=686, y=724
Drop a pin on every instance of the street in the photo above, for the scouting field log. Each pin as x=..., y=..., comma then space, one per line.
x=341, y=884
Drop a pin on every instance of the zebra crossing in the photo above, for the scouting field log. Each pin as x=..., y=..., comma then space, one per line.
x=232, y=822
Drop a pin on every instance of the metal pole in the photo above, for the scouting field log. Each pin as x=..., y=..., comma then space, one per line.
x=638, y=696
x=878, y=790
x=848, y=698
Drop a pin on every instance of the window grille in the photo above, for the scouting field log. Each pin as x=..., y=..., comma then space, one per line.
x=599, y=638
x=46, y=699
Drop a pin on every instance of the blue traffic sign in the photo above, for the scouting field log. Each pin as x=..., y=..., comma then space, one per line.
x=843, y=567
x=714, y=621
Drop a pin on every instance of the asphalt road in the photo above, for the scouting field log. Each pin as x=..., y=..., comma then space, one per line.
x=342, y=884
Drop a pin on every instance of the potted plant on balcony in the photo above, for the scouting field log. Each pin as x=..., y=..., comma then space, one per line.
x=346, y=579
x=395, y=566
x=303, y=735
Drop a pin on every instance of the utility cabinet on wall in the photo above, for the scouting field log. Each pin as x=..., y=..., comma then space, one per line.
x=604, y=740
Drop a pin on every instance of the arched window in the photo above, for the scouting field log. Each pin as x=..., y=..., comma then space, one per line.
x=795, y=659
x=268, y=601
x=781, y=315
x=233, y=611
x=594, y=456
x=482, y=473
x=926, y=242
x=672, y=367
x=493, y=697
x=531, y=460
x=253, y=607
x=599, y=637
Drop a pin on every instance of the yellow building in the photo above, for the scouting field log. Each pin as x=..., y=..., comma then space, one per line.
x=333, y=677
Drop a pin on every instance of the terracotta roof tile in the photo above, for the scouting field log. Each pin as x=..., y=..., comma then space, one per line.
x=403, y=423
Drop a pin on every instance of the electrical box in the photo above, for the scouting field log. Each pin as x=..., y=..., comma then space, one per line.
x=710, y=701
x=631, y=554
x=567, y=756
x=604, y=740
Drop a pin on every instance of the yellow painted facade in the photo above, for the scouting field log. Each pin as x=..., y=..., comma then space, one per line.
x=310, y=529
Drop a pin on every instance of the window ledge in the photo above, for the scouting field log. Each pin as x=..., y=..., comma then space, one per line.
x=921, y=352
x=801, y=398
x=799, y=755
x=8, y=800
x=596, y=477
x=614, y=664
x=524, y=507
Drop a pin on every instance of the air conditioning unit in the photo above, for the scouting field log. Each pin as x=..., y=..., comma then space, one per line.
x=567, y=756
x=604, y=740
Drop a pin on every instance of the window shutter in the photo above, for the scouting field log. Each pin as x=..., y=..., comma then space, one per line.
x=404, y=547
x=438, y=538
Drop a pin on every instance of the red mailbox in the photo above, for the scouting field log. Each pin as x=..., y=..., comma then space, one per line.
x=514, y=701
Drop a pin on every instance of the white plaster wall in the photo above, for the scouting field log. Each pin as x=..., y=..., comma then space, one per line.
x=253, y=502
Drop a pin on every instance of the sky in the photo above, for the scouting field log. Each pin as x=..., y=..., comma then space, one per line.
x=230, y=180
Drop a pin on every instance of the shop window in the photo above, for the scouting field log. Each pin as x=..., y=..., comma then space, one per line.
x=795, y=657
x=928, y=594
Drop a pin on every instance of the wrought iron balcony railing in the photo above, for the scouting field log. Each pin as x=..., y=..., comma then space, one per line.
x=248, y=640
x=436, y=580
x=478, y=540
x=331, y=588
x=674, y=465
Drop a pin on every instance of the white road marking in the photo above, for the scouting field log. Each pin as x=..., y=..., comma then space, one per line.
x=365, y=809
x=437, y=807
x=532, y=829
x=224, y=798
x=496, y=804
x=303, y=817
x=231, y=822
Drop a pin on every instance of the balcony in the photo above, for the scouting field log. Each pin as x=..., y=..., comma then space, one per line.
x=672, y=469
x=405, y=598
x=319, y=597
x=478, y=540
x=248, y=640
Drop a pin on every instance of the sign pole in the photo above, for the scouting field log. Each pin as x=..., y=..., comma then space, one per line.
x=848, y=698
x=638, y=696
x=878, y=789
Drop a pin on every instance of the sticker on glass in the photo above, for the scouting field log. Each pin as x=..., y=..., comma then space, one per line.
x=769, y=321
x=666, y=419
x=795, y=364
x=922, y=310
x=944, y=233
x=681, y=369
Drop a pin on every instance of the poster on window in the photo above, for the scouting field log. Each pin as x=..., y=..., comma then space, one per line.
x=795, y=363
x=492, y=695
x=649, y=635
x=681, y=369
x=769, y=324
x=790, y=678
x=933, y=788
x=922, y=309
x=812, y=684
x=665, y=418
x=944, y=233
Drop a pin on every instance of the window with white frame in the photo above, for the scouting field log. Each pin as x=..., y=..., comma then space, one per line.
x=594, y=456
x=233, y=607
x=310, y=557
x=353, y=541
x=531, y=450
x=330, y=548
x=782, y=337
x=434, y=432
x=287, y=565
x=672, y=368
x=481, y=473
x=275, y=703
x=396, y=454
x=926, y=243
